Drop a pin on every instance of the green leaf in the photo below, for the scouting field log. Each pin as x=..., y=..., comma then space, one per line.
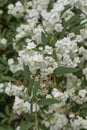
x=84, y=106
x=3, y=61
x=72, y=20
x=63, y=33
x=36, y=88
x=45, y=38
x=83, y=84
x=26, y=72
x=84, y=113
x=7, y=111
x=18, y=73
x=65, y=9
x=84, y=109
x=4, y=120
x=9, y=128
x=30, y=86
x=47, y=101
x=77, y=28
x=2, y=115
x=1, y=128
x=64, y=70
x=26, y=126
x=7, y=78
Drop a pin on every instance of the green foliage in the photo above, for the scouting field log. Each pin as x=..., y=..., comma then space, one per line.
x=26, y=126
x=8, y=128
x=83, y=110
x=8, y=26
x=36, y=88
x=26, y=75
x=64, y=70
x=74, y=24
x=7, y=78
x=45, y=38
x=66, y=8
x=47, y=101
x=30, y=86
x=26, y=72
x=83, y=84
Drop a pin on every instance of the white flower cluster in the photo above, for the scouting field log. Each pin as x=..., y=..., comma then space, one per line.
x=13, y=90
x=52, y=20
x=36, y=60
x=66, y=51
x=17, y=10
x=57, y=122
x=80, y=4
x=39, y=45
x=40, y=4
x=3, y=41
x=21, y=106
x=14, y=66
x=78, y=123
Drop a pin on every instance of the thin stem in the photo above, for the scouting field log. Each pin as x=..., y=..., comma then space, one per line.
x=36, y=118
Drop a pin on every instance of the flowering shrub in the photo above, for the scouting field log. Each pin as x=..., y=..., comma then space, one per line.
x=43, y=65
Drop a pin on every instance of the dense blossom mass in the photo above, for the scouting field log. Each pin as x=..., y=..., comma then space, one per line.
x=43, y=64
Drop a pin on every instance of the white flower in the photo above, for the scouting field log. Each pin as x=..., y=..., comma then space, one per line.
x=1, y=87
x=56, y=93
x=1, y=11
x=3, y=41
x=21, y=106
x=35, y=107
x=79, y=123
x=58, y=27
x=83, y=33
x=79, y=38
x=82, y=93
x=31, y=45
x=66, y=51
x=48, y=50
x=13, y=90
x=38, y=58
x=18, y=128
x=10, y=61
x=16, y=10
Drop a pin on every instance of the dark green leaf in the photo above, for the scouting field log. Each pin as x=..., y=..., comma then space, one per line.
x=47, y=101
x=30, y=86
x=83, y=109
x=2, y=115
x=3, y=61
x=18, y=73
x=7, y=111
x=77, y=28
x=26, y=126
x=36, y=87
x=26, y=72
x=45, y=38
x=7, y=78
x=83, y=84
x=84, y=106
x=65, y=9
x=64, y=70
x=4, y=120
x=1, y=128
